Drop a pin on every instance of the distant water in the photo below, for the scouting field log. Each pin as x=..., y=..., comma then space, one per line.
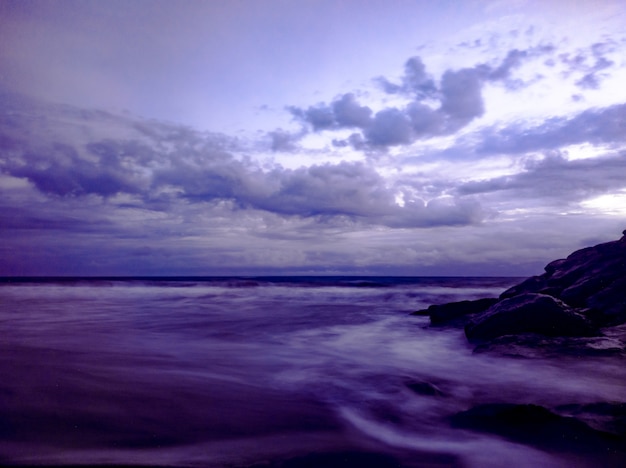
x=263, y=372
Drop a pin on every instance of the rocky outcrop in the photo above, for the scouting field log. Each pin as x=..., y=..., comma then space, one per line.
x=455, y=311
x=592, y=280
x=575, y=297
x=529, y=313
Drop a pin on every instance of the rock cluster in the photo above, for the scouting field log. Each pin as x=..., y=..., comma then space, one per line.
x=576, y=308
x=576, y=296
x=538, y=426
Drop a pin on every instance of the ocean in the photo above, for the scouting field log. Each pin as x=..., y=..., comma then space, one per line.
x=267, y=372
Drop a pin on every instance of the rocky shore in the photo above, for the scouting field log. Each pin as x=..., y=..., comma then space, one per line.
x=576, y=308
x=583, y=295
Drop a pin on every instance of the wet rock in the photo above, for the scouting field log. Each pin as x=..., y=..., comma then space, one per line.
x=605, y=416
x=424, y=388
x=528, y=313
x=334, y=460
x=447, y=313
x=537, y=426
x=592, y=279
x=532, y=346
x=575, y=297
x=352, y=458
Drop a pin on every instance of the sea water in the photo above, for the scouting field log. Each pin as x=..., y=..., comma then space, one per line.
x=234, y=372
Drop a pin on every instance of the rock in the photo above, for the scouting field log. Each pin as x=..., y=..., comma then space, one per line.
x=424, y=388
x=446, y=313
x=604, y=416
x=532, y=346
x=528, y=313
x=334, y=460
x=592, y=279
x=575, y=297
x=537, y=426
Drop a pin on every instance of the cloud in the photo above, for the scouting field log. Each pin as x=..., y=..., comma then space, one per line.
x=156, y=166
x=281, y=140
x=433, y=109
x=416, y=82
x=460, y=102
x=462, y=99
x=349, y=113
x=424, y=120
x=59, y=169
x=590, y=63
x=390, y=127
x=344, y=112
x=595, y=126
x=558, y=179
x=513, y=60
x=442, y=211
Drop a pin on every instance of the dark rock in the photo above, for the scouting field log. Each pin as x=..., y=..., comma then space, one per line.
x=575, y=297
x=532, y=346
x=446, y=313
x=537, y=426
x=338, y=460
x=592, y=279
x=424, y=388
x=608, y=306
x=605, y=416
x=532, y=284
x=528, y=313
x=354, y=458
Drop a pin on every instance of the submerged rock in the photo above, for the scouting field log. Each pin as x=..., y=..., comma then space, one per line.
x=334, y=460
x=605, y=416
x=531, y=346
x=538, y=426
x=423, y=388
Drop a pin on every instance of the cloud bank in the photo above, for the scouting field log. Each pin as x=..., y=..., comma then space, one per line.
x=459, y=166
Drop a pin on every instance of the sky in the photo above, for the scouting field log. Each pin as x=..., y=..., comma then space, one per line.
x=309, y=137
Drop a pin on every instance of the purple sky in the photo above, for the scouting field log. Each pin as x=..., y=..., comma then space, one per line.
x=309, y=136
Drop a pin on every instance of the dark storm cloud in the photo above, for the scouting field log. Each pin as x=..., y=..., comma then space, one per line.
x=163, y=165
x=597, y=126
x=555, y=177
